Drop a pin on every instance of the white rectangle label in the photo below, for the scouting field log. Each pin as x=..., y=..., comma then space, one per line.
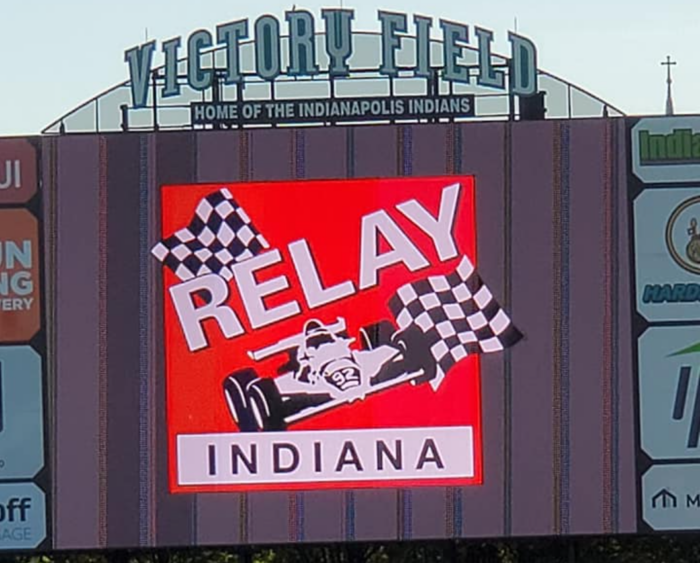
x=325, y=456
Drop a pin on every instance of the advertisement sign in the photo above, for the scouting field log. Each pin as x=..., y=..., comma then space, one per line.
x=323, y=334
x=302, y=52
x=669, y=388
x=18, y=178
x=666, y=149
x=20, y=307
x=21, y=413
x=22, y=516
x=667, y=252
x=671, y=497
x=337, y=111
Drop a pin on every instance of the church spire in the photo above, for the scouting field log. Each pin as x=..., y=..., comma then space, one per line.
x=668, y=63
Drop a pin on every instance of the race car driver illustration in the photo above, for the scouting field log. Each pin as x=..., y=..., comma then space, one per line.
x=326, y=368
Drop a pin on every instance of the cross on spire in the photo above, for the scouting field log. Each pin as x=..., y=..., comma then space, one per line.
x=668, y=63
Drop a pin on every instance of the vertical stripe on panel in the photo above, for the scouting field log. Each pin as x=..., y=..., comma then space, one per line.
x=243, y=523
x=245, y=175
x=296, y=498
x=561, y=299
x=507, y=300
x=77, y=354
x=244, y=155
x=50, y=181
x=155, y=341
x=348, y=516
x=405, y=152
x=453, y=495
x=350, y=156
x=173, y=164
x=614, y=328
x=404, y=500
x=123, y=340
x=296, y=517
x=453, y=512
x=195, y=497
x=145, y=329
x=556, y=295
x=608, y=332
x=457, y=504
x=102, y=343
x=348, y=504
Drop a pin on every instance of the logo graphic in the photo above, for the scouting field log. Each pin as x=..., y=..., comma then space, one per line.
x=13, y=175
x=671, y=497
x=664, y=499
x=19, y=276
x=22, y=516
x=682, y=146
x=667, y=248
x=18, y=181
x=682, y=235
x=669, y=385
x=21, y=413
x=666, y=149
x=325, y=333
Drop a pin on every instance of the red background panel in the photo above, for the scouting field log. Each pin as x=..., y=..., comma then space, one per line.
x=328, y=215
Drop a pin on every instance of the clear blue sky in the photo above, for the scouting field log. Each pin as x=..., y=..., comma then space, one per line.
x=56, y=54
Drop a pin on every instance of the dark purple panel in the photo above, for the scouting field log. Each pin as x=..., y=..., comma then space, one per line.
x=428, y=513
x=175, y=164
x=481, y=153
x=426, y=147
x=77, y=477
x=218, y=514
x=373, y=514
x=322, y=515
x=375, y=152
x=123, y=340
x=587, y=325
x=429, y=149
x=218, y=156
x=324, y=153
x=152, y=353
x=625, y=467
x=532, y=287
x=269, y=518
x=270, y=156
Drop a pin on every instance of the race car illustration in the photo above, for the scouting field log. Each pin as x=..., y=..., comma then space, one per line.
x=326, y=368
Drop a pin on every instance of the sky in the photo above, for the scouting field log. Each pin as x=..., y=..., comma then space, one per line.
x=57, y=54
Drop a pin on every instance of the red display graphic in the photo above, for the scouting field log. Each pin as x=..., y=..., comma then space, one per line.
x=325, y=334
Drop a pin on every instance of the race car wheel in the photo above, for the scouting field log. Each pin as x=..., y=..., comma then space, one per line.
x=235, y=391
x=416, y=352
x=376, y=335
x=266, y=405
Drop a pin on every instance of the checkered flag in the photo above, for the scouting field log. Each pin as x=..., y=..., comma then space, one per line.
x=457, y=314
x=219, y=235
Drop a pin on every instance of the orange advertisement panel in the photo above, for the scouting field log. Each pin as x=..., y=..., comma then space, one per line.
x=18, y=175
x=325, y=334
x=20, y=306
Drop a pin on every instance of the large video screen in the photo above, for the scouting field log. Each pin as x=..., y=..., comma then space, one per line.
x=378, y=332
